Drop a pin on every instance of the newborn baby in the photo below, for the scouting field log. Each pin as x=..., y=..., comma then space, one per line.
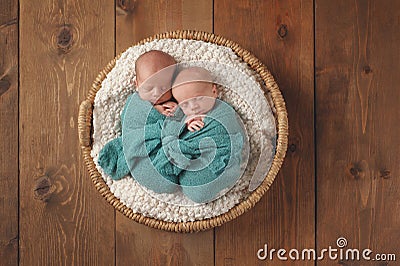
x=154, y=73
x=195, y=93
x=206, y=152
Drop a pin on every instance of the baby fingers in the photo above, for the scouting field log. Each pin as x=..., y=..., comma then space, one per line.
x=170, y=105
x=167, y=113
x=195, y=126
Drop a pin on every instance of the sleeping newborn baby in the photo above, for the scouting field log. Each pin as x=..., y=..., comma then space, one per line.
x=203, y=142
x=195, y=93
x=149, y=107
x=154, y=72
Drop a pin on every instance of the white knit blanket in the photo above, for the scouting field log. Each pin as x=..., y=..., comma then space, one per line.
x=241, y=88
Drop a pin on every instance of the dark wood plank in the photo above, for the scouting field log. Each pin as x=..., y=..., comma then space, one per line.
x=358, y=154
x=138, y=244
x=63, y=219
x=280, y=34
x=9, y=132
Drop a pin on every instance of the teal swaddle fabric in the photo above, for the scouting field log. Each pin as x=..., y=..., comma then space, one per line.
x=141, y=126
x=112, y=159
x=209, y=158
x=163, y=155
x=141, y=139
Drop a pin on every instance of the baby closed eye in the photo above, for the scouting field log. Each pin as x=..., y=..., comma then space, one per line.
x=192, y=100
x=146, y=88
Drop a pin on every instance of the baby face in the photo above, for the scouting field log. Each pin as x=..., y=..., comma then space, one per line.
x=155, y=86
x=195, y=98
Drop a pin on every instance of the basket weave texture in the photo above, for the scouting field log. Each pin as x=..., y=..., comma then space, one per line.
x=85, y=132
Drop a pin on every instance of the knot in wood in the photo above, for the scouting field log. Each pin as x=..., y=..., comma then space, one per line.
x=385, y=174
x=367, y=69
x=125, y=6
x=282, y=31
x=355, y=172
x=43, y=188
x=4, y=86
x=64, y=39
x=292, y=147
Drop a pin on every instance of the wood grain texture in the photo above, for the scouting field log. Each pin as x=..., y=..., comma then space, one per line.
x=139, y=19
x=280, y=34
x=64, y=44
x=357, y=108
x=9, y=132
x=63, y=219
x=141, y=245
x=137, y=244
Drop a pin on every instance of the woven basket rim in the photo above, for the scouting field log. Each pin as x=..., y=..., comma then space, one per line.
x=85, y=127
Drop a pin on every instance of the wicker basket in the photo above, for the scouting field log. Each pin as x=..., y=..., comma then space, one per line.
x=85, y=133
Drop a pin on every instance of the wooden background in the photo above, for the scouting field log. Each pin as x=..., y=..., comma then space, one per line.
x=337, y=64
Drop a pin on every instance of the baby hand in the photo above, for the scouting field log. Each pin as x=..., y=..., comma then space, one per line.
x=167, y=108
x=195, y=124
x=170, y=108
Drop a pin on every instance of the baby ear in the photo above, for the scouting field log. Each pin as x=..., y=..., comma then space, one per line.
x=214, y=90
x=135, y=81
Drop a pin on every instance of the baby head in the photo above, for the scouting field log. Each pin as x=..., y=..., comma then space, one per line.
x=194, y=91
x=154, y=71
